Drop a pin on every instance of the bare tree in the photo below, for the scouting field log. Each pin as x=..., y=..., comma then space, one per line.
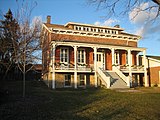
x=122, y=7
x=27, y=48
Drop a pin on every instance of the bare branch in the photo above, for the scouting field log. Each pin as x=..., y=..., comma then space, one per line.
x=123, y=7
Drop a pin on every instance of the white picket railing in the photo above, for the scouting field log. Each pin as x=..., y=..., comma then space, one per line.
x=106, y=79
x=126, y=79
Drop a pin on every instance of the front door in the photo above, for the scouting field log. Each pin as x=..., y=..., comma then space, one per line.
x=100, y=60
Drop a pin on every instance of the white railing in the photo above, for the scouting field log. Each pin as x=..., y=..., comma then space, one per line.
x=137, y=68
x=84, y=69
x=121, y=75
x=133, y=68
x=72, y=68
x=105, y=78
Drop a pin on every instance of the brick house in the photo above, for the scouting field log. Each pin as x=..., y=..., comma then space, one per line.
x=83, y=55
x=153, y=69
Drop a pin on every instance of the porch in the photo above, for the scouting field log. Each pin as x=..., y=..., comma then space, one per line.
x=90, y=68
x=88, y=58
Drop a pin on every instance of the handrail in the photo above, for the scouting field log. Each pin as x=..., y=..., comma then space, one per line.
x=105, y=78
x=121, y=75
x=111, y=78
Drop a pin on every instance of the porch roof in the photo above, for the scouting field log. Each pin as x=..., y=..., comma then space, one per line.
x=92, y=45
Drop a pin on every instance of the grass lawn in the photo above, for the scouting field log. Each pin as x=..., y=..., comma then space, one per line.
x=41, y=103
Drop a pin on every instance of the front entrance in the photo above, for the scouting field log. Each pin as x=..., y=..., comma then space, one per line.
x=101, y=60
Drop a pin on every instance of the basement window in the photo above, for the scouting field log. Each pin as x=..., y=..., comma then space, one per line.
x=67, y=80
x=82, y=78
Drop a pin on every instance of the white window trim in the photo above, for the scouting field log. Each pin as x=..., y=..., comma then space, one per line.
x=66, y=80
x=80, y=49
x=67, y=55
x=84, y=81
x=116, y=55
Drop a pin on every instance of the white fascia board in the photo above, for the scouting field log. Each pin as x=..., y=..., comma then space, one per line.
x=153, y=59
x=90, y=25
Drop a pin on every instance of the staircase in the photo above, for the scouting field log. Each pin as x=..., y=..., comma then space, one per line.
x=113, y=79
x=116, y=81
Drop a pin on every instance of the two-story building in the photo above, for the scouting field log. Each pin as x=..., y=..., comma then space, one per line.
x=84, y=55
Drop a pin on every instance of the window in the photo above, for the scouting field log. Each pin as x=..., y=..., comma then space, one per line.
x=67, y=80
x=87, y=29
x=82, y=79
x=98, y=57
x=81, y=56
x=117, y=58
x=77, y=28
x=64, y=55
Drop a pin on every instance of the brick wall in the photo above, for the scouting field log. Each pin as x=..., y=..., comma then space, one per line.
x=153, y=75
x=76, y=38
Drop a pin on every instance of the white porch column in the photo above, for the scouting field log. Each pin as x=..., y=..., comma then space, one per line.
x=130, y=63
x=145, y=69
x=53, y=66
x=113, y=61
x=137, y=58
x=129, y=59
x=95, y=65
x=75, y=67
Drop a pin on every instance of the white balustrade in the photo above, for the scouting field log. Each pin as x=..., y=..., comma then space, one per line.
x=124, y=78
x=105, y=78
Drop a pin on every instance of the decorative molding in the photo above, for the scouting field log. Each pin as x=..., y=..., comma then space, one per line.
x=65, y=43
x=94, y=34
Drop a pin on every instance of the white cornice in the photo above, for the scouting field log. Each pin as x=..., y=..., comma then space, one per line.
x=49, y=30
x=97, y=45
x=153, y=59
x=95, y=34
x=96, y=26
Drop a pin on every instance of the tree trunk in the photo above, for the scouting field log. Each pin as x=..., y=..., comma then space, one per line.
x=24, y=84
x=24, y=81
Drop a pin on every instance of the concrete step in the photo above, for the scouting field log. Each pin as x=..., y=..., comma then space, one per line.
x=119, y=84
x=117, y=81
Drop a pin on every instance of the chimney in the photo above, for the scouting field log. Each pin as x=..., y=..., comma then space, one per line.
x=117, y=26
x=49, y=19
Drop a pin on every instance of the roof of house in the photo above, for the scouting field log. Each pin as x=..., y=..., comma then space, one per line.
x=153, y=57
x=90, y=25
x=56, y=26
x=65, y=27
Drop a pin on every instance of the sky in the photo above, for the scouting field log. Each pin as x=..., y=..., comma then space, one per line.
x=63, y=11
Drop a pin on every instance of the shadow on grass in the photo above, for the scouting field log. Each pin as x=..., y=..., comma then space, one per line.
x=42, y=103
